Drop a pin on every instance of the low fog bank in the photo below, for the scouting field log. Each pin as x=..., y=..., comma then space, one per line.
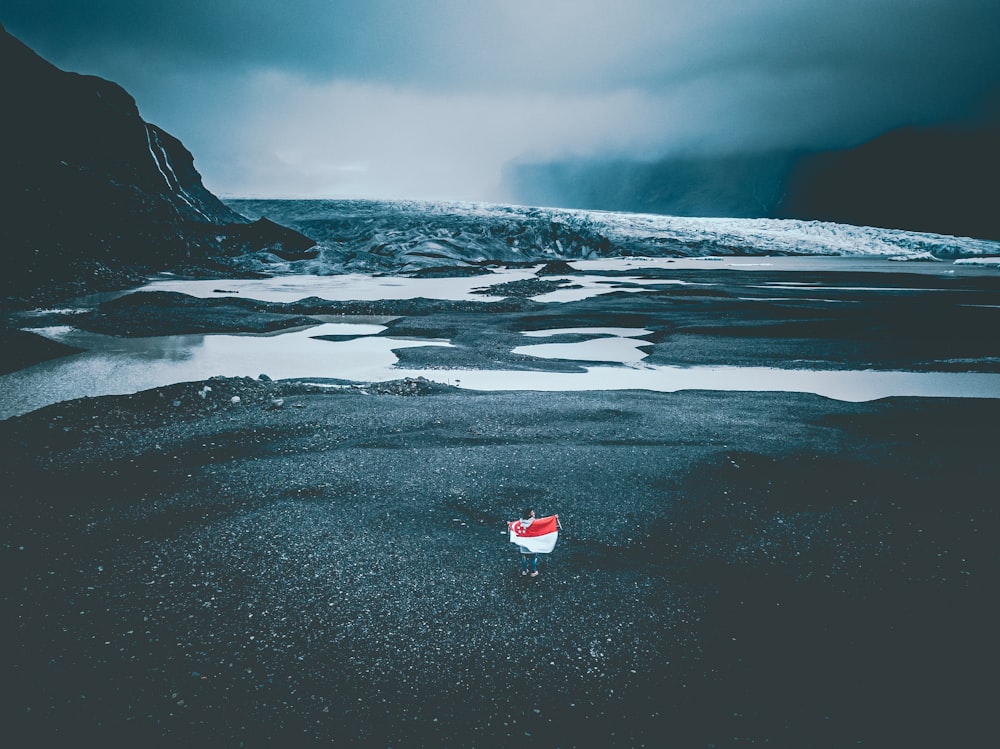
x=929, y=179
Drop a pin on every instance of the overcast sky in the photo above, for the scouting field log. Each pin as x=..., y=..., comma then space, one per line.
x=431, y=98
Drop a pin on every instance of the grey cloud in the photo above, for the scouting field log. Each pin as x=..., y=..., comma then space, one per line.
x=524, y=44
x=307, y=36
x=679, y=74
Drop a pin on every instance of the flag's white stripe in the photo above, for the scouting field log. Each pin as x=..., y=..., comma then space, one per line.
x=536, y=544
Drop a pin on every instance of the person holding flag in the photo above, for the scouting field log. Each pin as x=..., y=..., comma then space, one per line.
x=533, y=536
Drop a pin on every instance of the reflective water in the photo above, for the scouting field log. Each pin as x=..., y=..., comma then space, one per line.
x=125, y=365
x=350, y=286
x=604, y=345
x=356, y=286
x=112, y=365
x=850, y=385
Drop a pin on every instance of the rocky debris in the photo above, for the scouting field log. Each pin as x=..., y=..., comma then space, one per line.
x=526, y=288
x=201, y=399
x=167, y=405
x=218, y=394
x=403, y=307
x=556, y=268
x=405, y=386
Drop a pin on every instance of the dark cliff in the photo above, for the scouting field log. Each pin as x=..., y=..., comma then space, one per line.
x=91, y=195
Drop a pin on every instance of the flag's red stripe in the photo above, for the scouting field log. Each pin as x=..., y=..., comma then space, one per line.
x=540, y=527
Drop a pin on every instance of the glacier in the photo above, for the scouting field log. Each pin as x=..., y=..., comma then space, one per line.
x=406, y=236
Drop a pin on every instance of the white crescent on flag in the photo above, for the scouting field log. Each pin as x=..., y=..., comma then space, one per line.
x=539, y=537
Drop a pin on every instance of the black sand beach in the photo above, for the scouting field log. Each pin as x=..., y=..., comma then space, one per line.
x=330, y=568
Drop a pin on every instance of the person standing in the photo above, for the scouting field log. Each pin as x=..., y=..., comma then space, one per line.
x=529, y=560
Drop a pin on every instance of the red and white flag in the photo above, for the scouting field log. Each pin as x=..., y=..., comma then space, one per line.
x=539, y=537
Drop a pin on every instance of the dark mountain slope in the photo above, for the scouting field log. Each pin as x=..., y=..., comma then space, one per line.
x=91, y=194
x=940, y=180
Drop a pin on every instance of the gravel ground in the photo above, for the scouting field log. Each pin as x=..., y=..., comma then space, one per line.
x=303, y=567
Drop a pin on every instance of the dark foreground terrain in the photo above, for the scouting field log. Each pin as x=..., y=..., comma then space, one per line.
x=304, y=567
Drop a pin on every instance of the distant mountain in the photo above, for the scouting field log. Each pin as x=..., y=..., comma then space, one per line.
x=943, y=180
x=940, y=180
x=92, y=195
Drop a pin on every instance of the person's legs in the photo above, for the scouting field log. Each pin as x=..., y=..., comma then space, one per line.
x=534, y=564
x=524, y=564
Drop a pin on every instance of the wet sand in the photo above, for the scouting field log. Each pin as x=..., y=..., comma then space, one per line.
x=330, y=568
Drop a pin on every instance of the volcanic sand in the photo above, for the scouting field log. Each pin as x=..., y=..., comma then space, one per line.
x=305, y=566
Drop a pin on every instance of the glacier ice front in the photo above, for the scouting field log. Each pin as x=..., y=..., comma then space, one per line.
x=394, y=236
